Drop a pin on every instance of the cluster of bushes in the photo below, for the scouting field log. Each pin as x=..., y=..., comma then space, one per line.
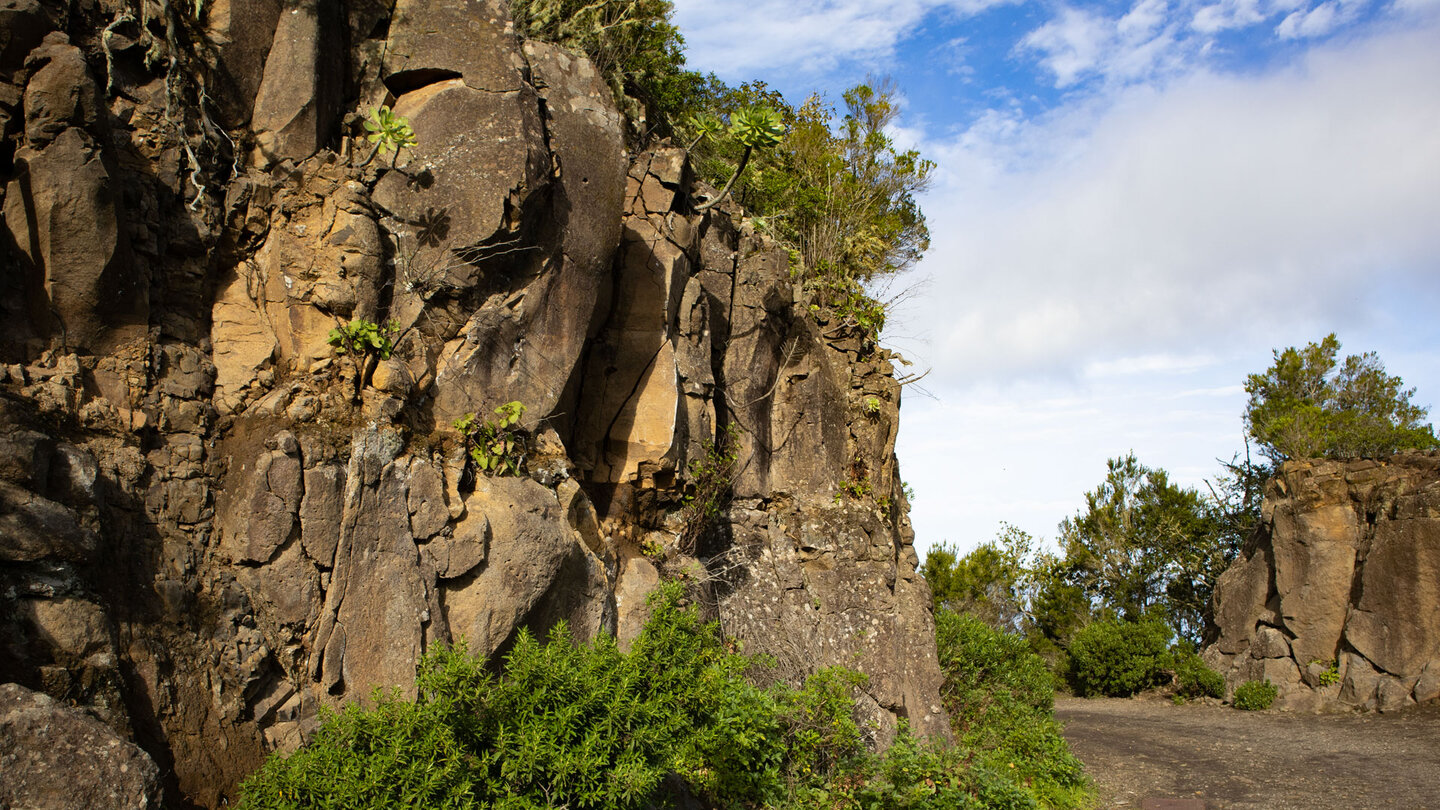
x=592, y=726
x=1117, y=659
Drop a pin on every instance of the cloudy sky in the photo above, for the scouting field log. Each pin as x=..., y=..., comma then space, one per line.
x=1136, y=204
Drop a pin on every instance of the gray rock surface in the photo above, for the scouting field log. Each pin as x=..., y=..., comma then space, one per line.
x=57, y=757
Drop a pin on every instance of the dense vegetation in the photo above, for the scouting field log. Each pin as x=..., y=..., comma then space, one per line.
x=592, y=726
x=1000, y=696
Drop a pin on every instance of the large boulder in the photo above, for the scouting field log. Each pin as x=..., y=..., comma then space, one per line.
x=1336, y=598
x=58, y=757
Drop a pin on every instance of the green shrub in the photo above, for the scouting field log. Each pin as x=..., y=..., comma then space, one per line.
x=362, y=337
x=1118, y=658
x=1194, y=679
x=999, y=695
x=1254, y=696
x=398, y=754
x=590, y=727
x=581, y=726
x=912, y=775
x=496, y=446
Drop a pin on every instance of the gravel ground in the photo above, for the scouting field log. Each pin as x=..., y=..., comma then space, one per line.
x=1147, y=749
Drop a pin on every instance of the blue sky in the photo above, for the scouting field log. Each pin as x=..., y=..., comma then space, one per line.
x=1136, y=203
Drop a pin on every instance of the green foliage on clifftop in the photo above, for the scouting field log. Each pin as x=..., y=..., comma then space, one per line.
x=1309, y=405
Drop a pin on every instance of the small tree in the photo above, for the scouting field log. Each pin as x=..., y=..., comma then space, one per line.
x=1308, y=406
x=1143, y=544
x=992, y=582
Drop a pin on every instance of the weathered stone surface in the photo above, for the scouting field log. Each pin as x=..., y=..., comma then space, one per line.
x=528, y=548
x=297, y=104
x=60, y=93
x=1270, y=643
x=831, y=584
x=241, y=32
x=320, y=512
x=638, y=580
x=265, y=514
x=1394, y=623
x=460, y=553
x=1247, y=585
x=57, y=757
x=1347, y=561
x=1427, y=688
x=1313, y=573
x=587, y=136
x=428, y=512
x=631, y=399
x=426, y=42
x=78, y=628
x=34, y=528
x=372, y=626
x=22, y=27
x=60, y=210
x=487, y=146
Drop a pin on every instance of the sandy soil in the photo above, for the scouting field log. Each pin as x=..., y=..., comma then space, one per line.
x=1148, y=749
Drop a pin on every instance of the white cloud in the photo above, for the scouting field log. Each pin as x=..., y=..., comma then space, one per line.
x=739, y=40
x=1217, y=208
x=1072, y=44
x=1078, y=43
x=1320, y=20
x=1227, y=15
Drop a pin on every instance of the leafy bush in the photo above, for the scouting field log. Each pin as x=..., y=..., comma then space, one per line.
x=362, y=337
x=589, y=727
x=1194, y=679
x=388, y=133
x=999, y=695
x=496, y=446
x=1118, y=658
x=583, y=726
x=1254, y=696
x=398, y=754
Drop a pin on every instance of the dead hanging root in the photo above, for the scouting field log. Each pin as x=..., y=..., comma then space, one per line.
x=106, y=36
x=178, y=77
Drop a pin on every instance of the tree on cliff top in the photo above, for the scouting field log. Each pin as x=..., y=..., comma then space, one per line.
x=1308, y=406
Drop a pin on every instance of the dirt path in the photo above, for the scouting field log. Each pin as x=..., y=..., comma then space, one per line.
x=1149, y=749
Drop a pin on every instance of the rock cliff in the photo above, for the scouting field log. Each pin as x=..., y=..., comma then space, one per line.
x=1334, y=599
x=212, y=524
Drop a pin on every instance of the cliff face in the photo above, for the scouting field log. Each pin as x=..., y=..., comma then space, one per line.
x=211, y=524
x=1334, y=600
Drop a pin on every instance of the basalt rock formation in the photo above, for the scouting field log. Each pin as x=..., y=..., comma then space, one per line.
x=1335, y=598
x=212, y=524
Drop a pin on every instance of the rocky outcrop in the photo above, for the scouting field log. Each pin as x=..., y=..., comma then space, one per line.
x=1334, y=599
x=212, y=524
x=57, y=757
